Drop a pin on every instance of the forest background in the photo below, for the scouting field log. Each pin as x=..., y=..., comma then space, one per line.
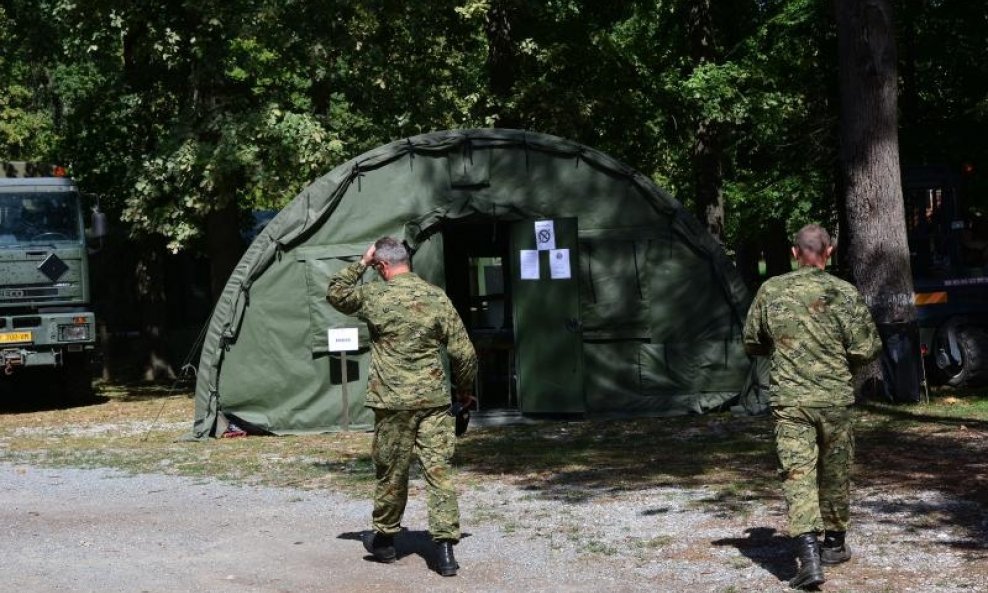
x=183, y=118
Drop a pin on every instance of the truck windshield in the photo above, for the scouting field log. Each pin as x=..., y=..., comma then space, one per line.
x=39, y=218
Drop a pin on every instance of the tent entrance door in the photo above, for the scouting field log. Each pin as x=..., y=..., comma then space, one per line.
x=545, y=297
x=476, y=281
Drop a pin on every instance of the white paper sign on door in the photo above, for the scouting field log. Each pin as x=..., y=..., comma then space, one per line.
x=559, y=268
x=545, y=235
x=529, y=264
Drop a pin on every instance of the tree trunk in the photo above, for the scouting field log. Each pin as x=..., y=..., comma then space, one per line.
x=150, y=278
x=501, y=69
x=224, y=245
x=708, y=179
x=708, y=170
x=746, y=259
x=776, y=245
x=878, y=252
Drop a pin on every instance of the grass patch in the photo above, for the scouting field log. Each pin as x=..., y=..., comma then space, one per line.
x=139, y=431
x=936, y=446
x=655, y=543
x=599, y=548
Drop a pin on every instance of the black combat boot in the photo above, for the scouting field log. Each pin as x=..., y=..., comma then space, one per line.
x=382, y=546
x=445, y=561
x=810, y=573
x=834, y=549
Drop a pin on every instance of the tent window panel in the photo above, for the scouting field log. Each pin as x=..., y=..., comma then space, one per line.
x=611, y=373
x=706, y=365
x=688, y=301
x=322, y=315
x=635, y=377
x=654, y=370
x=613, y=296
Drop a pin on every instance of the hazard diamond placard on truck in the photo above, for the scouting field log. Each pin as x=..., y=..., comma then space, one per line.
x=15, y=337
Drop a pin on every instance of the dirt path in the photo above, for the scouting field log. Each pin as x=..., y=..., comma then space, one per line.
x=100, y=530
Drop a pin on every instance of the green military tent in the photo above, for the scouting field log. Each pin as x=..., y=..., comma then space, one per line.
x=588, y=291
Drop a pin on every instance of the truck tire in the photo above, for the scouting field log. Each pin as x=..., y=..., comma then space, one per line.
x=972, y=341
x=76, y=378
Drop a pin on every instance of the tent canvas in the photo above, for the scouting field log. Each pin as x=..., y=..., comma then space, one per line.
x=644, y=318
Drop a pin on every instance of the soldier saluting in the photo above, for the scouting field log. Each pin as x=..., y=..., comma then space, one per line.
x=817, y=330
x=411, y=322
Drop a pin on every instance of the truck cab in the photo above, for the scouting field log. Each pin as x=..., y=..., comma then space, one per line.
x=949, y=260
x=46, y=316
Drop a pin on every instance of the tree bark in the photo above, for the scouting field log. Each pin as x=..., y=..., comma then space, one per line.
x=708, y=170
x=224, y=245
x=776, y=244
x=708, y=179
x=150, y=277
x=878, y=251
x=501, y=70
x=869, y=155
x=746, y=259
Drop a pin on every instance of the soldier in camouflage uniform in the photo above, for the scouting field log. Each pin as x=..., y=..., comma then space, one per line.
x=411, y=323
x=817, y=331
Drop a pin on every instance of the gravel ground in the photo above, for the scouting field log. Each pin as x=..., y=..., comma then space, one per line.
x=101, y=530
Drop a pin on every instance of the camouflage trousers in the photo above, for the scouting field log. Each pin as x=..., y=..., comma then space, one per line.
x=429, y=434
x=816, y=450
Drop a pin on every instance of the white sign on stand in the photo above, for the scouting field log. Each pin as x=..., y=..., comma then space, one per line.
x=343, y=340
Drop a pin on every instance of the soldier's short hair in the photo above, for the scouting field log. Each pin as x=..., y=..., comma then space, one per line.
x=812, y=238
x=390, y=250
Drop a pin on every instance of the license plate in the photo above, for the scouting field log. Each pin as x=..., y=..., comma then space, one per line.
x=12, y=337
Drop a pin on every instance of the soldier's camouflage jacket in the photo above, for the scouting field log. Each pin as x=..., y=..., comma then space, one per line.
x=817, y=330
x=410, y=322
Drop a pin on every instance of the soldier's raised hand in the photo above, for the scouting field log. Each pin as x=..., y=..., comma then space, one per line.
x=368, y=257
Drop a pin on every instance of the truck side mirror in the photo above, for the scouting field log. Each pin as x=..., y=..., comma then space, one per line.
x=98, y=228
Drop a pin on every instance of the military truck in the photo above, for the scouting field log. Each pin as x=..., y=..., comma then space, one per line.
x=949, y=257
x=46, y=317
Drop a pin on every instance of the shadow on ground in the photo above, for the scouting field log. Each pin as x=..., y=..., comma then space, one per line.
x=32, y=390
x=576, y=462
x=902, y=452
x=768, y=549
x=899, y=449
x=407, y=543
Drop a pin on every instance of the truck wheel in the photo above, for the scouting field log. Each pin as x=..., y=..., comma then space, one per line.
x=77, y=379
x=973, y=369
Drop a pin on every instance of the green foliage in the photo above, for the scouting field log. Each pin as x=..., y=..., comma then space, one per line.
x=171, y=109
x=26, y=126
x=261, y=160
x=25, y=133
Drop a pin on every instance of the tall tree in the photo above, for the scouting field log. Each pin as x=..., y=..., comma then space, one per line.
x=869, y=159
x=501, y=67
x=707, y=153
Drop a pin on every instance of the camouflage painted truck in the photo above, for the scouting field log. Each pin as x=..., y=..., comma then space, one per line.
x=46, y=317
